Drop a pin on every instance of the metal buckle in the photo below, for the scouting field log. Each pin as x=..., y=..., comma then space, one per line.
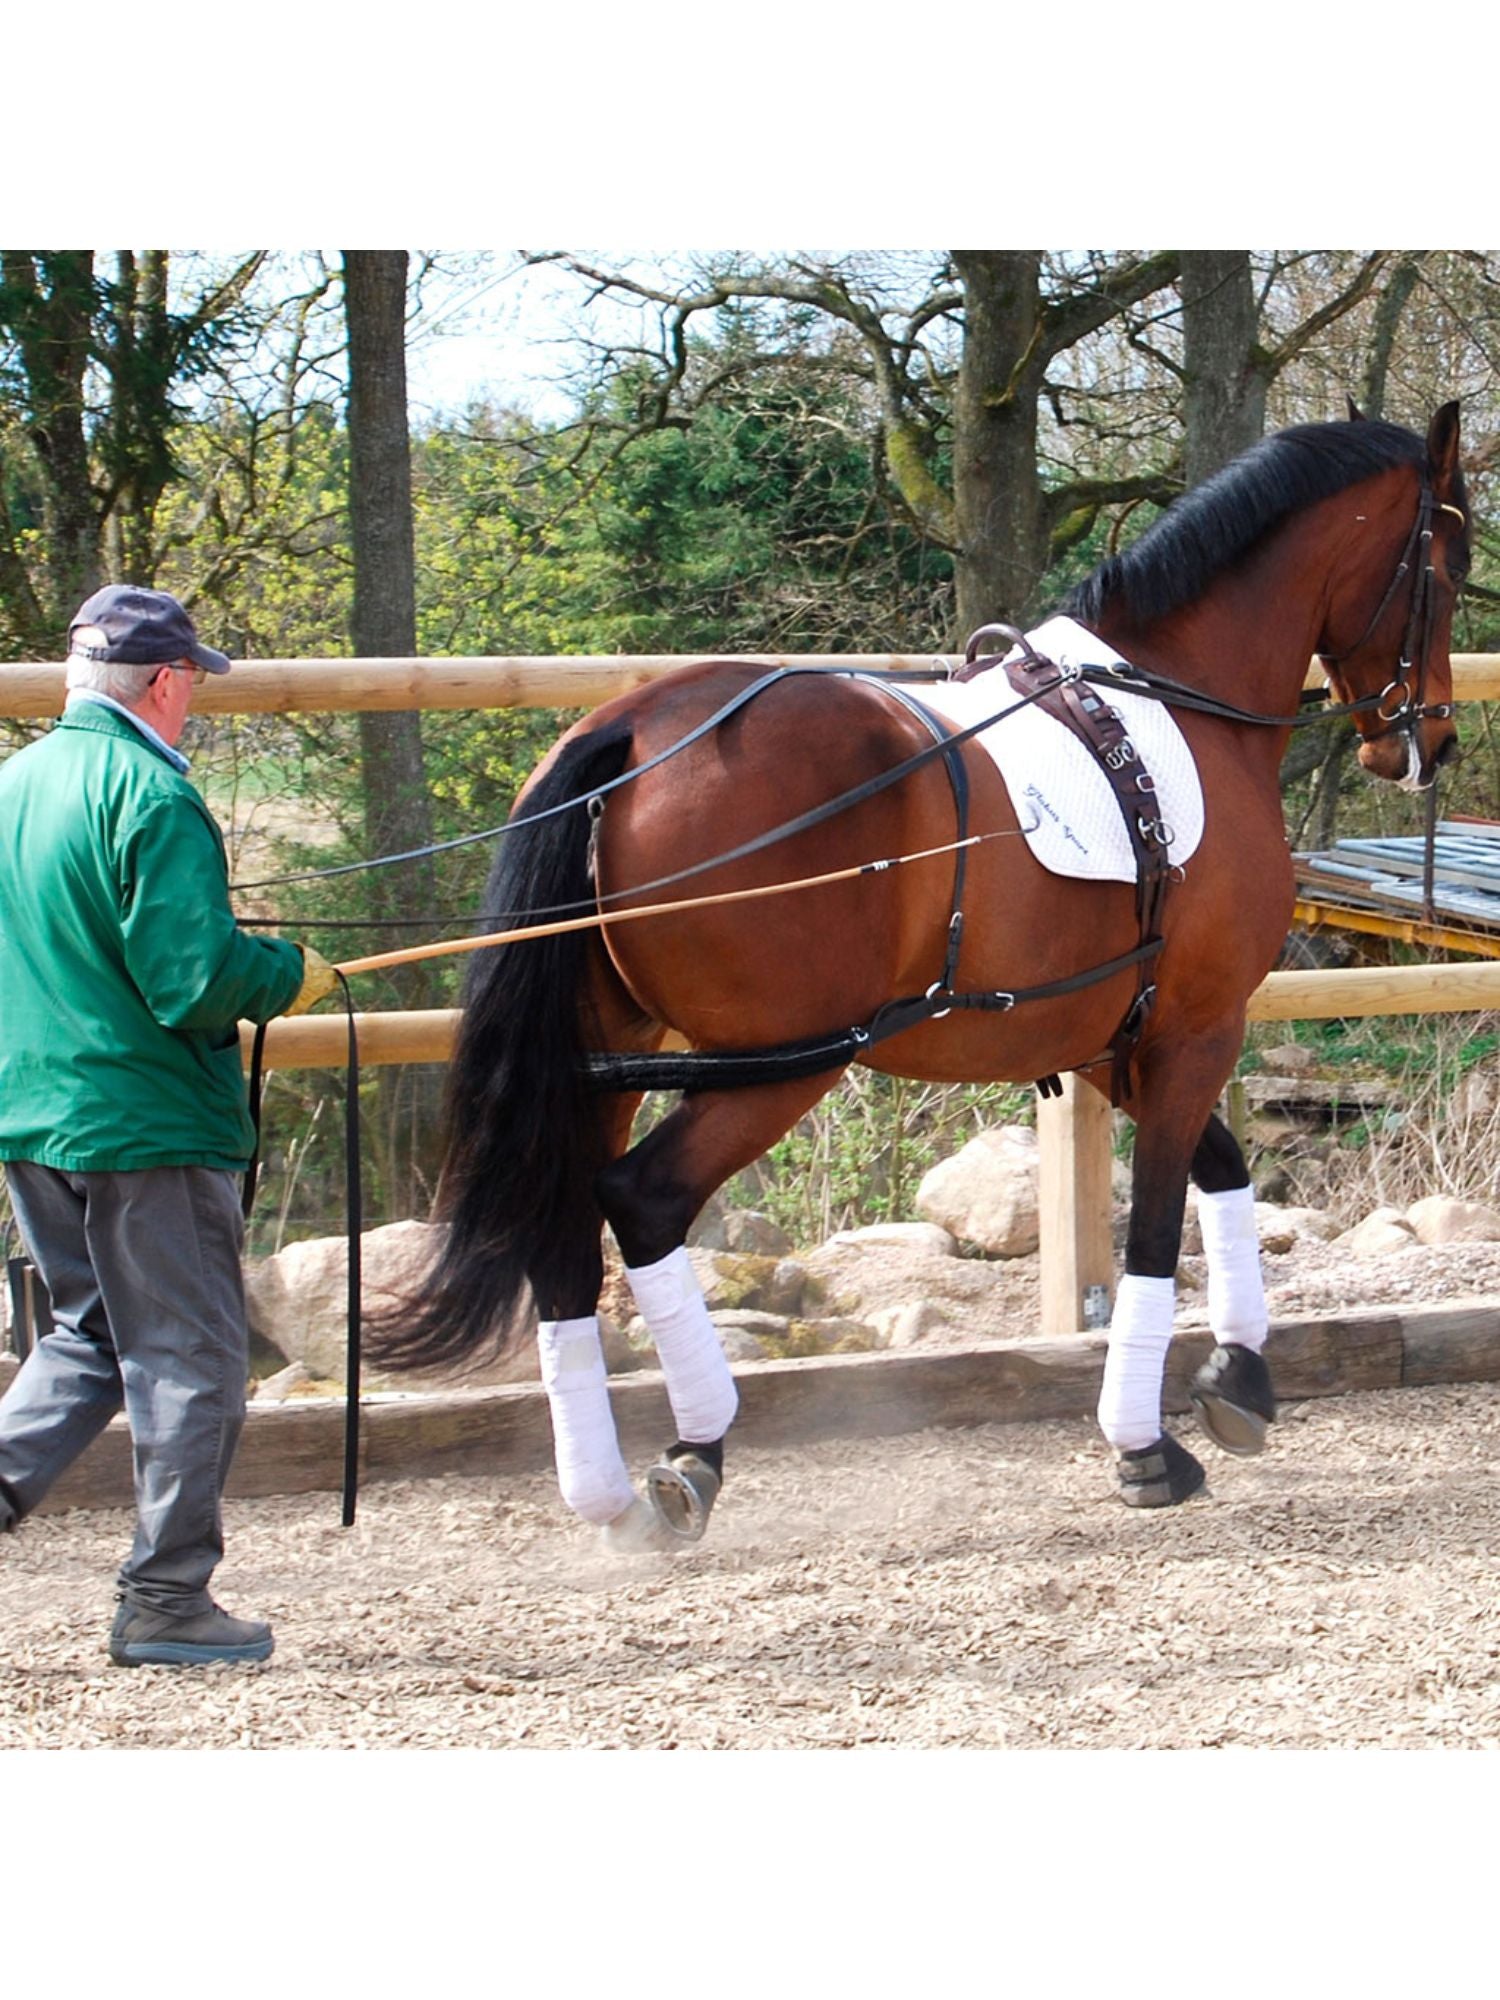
x=932, y=992
x=1118, y=755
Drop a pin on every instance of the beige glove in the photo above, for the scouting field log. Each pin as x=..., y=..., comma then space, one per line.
x=318, y=978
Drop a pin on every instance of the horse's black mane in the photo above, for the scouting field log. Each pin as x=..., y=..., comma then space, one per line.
x=1215, y=524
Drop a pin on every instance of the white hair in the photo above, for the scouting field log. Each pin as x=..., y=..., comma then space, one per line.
x=123, y=681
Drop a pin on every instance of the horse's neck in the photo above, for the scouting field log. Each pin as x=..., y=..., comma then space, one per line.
x=1242, y=642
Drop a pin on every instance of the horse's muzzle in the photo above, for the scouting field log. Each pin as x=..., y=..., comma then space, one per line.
x=1411, y=756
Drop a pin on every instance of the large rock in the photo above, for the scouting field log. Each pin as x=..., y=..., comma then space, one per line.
x=732, y=1280
x=747, y=1335
x=905, y=1326
x=924, y=1237
x=747, y=1230
x=987, y=1194
x=1383, y=1231
x=297, y=1301
x=1442, y=1219
x=1280, y=1229
x=741, y=1229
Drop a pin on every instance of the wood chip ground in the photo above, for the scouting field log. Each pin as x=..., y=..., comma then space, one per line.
x=976, y=1588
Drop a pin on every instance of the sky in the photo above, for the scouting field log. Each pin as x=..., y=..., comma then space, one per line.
x=798, y=123
x=496, y=331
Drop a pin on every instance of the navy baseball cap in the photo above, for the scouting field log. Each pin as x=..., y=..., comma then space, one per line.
x=141, y=628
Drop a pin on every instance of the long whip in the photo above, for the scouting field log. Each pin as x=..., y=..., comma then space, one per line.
x=450, y=947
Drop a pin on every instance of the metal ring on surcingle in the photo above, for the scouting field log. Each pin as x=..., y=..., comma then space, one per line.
x=1006, y=632
x=682, y=1492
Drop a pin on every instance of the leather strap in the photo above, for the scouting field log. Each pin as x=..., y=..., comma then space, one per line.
x=353, y=1223
x=1101, y=729
x=353, y=1227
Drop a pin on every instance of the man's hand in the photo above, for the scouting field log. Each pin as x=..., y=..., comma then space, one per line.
x=318, y=978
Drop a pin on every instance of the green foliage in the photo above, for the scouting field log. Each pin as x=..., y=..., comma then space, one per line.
x=859, y=1155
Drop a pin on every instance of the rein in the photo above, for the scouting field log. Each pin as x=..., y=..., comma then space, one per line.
x=353, y=1227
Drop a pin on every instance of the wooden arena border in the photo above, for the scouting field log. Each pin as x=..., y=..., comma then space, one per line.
x=297, y=1446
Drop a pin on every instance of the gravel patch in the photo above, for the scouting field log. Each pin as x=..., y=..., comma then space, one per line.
x=978, y=1588
x=1000, y=1298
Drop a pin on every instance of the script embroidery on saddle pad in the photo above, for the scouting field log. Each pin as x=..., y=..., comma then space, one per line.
x=1065, y=803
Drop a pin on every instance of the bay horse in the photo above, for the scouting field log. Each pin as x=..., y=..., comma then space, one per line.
x=1347, y=540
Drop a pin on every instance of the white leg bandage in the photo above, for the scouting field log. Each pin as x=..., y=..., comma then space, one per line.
x=1236, y=1294
x=590, y=1470
x=700, y=1387
x=1140, y=1332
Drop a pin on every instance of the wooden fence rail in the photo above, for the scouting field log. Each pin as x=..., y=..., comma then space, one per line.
x=326, y=687
x=320, y=1041
x=309, y=687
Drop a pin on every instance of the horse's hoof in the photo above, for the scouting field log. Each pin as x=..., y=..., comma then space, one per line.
x=682, y=1492
x=1233, y=1397
x=1160, y=1475
x=637, y=1532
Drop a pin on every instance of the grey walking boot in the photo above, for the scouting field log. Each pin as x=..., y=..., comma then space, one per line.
x=143, y=1638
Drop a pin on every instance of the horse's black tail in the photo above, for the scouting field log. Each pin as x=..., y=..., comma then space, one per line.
x=524, y=1129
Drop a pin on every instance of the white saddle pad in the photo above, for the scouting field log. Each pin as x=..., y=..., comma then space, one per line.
x=1066, y=805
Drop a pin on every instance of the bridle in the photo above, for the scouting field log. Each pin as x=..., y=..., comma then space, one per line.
x=1400, y=705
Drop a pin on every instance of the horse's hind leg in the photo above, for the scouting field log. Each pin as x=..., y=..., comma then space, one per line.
x=1232, y=1391
x=565, y=1274
x=650, y=1198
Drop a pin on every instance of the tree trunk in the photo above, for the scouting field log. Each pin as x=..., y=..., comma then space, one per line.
x=1224, y=392
x=397, y=809
x=49, y=301
x=1391, y=305
x=996, y=491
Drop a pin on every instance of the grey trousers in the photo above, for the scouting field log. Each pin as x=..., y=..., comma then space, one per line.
x=149, y=1315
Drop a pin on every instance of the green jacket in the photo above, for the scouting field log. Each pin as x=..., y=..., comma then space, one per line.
x=123, y=972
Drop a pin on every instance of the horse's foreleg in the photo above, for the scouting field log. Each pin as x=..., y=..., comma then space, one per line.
x=1177, y=1087
x=1140, y=1332
x=1232, y=1391
x=650, y=1198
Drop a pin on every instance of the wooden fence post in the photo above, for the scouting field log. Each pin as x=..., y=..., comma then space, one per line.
x=1074, y=1134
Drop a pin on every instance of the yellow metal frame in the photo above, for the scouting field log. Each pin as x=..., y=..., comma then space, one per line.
x=1409, y=930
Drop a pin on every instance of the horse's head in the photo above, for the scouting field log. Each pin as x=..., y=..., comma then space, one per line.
x=1389, y=619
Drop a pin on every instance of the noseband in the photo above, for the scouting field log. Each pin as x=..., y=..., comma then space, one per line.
x=1399, y=705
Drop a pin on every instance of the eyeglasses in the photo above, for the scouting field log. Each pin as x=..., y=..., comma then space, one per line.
x=199, y=674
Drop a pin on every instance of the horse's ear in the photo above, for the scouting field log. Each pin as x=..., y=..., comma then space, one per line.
x=1442, y=447
x=1356, y=414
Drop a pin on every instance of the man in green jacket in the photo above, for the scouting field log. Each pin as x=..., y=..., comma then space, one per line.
x=123, y=1119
